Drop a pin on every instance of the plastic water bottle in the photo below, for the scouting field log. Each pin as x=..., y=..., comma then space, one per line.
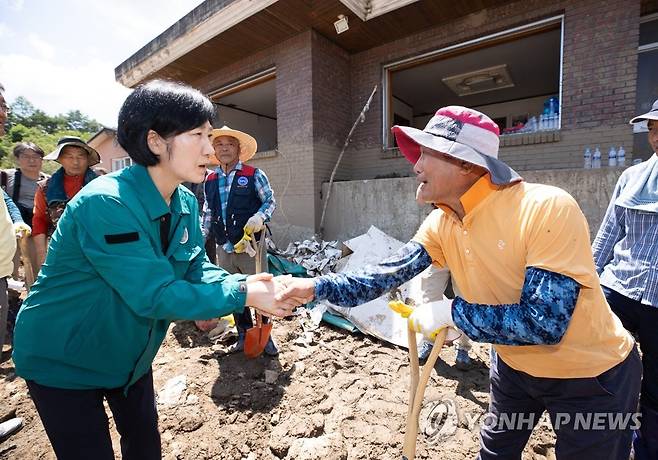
x=588, y=158
x=596, y=158
x=612, y=157
x=532, y=124
x=621, y=156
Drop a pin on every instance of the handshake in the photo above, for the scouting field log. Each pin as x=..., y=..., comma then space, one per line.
x=278, y=295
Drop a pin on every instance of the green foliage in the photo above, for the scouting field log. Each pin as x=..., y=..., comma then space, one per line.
x=27, y=123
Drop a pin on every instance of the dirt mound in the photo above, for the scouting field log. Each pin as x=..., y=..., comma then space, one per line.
x=341, y=397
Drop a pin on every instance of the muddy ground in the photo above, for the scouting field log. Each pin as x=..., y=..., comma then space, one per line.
x=343, y=397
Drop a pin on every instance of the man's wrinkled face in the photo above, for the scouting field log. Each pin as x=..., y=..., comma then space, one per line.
x=437, y=174
x=227, y=149
x=30, y=162
x=75, y=160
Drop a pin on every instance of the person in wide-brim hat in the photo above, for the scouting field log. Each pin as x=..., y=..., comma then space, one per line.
x=624, y=250
x=54, y=192
x=248, y=144
x=239, y=202
x=520, y=261
x=650, y=115
x=461, y=133
x=94, y=157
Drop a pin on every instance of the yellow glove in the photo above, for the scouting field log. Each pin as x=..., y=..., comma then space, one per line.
x=429, y=318
x=21, y=230
x=245, y=245
x=401, y=308
x=254, y=224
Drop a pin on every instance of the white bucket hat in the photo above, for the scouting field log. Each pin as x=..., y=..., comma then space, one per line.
x=461, y=133
x=94, y=157
x=650, y=115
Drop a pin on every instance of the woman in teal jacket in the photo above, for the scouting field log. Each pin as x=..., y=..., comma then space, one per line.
x=126, y=259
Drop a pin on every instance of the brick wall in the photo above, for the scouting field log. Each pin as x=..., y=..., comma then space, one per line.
x=599, y=74
x=291, y=171
x=331, y=113
x=320, y=90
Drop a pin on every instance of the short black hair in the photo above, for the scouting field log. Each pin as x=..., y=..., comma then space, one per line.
x=166, y=107
x=25, y=146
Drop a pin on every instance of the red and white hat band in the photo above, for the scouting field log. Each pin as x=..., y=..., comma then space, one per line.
x=483, y=139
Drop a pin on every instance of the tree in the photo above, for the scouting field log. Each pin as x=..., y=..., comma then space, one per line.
x=26, y=123
x=23, y=112
x=22, y=109
x=81, y=122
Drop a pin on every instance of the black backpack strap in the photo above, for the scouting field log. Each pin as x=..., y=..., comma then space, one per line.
x=17, y=186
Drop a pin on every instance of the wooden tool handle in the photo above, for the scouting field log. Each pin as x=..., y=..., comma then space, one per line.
x=414, y=370
x=411, y=435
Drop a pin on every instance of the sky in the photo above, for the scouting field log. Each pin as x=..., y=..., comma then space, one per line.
x=61, y=54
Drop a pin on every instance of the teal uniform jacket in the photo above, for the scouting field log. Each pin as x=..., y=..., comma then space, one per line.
x=106, y=294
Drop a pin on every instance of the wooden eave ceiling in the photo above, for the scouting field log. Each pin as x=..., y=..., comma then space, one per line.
x=287, y=18
x=649, y=7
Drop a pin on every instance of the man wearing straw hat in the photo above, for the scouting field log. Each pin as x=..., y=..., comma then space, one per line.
x=239, y=200
x=76, y=158
x=519, y=255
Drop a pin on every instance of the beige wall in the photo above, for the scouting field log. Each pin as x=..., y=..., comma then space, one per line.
x=389, y=203
x=109, y=149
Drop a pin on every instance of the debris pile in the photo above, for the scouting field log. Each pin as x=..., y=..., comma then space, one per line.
x=317, y=257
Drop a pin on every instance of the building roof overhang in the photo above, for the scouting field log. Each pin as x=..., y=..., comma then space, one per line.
x=220, y=32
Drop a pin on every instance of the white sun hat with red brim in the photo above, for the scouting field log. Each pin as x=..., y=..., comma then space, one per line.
x=461, y=133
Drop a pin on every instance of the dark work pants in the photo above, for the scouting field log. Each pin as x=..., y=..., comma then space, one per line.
x=580, y=410
x=78, y=428
x=642, y=321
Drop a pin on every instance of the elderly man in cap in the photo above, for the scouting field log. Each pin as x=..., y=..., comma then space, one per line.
x=76, y=158
x=626, y=256
x=520, y=257
x=239, y=200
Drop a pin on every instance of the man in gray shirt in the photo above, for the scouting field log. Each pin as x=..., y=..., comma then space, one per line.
x=21, y=185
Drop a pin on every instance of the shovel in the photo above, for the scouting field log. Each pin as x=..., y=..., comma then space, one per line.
x=256, y=337
x=417, y=390
x=418, y=380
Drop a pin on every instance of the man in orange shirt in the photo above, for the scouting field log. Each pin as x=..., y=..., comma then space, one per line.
x=76, y=158
x=520, y=257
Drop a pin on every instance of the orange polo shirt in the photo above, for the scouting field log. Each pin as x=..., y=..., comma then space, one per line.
x=506, y=230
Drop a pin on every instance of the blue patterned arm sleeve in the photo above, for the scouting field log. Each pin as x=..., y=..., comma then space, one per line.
x=547, y=303
x=358, y=287
x=14, y=213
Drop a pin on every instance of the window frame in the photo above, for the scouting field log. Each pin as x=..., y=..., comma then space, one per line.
x=246, y=83
x=462, y=48
x=125, y=161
